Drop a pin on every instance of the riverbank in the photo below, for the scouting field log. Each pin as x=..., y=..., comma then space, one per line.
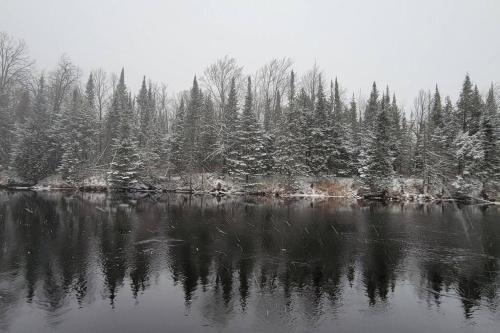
x=400, y=189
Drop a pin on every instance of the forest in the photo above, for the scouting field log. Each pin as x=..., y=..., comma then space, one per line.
x=272, y=122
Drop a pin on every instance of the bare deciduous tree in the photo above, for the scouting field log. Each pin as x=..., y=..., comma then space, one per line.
x=217, y=78
x=15, y=65
x=271, y=80
x=310, y=81
x=62, y=79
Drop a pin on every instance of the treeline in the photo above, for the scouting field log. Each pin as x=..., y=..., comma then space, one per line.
x=267, y=123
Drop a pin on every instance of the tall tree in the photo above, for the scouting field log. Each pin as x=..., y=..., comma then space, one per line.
x=126, y=162
x=79, y=125
x=380, y=170
x=228, y=137
x=490, y=139
x=319, y=141
x=250, y=146
x=465, y=104
x=30, y=152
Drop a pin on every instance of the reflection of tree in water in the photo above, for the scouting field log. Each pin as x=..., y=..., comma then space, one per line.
x=382, y=255
x=281, y=259
x=464, y=261
x=114, y=239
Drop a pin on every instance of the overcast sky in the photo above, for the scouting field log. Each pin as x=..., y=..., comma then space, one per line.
x=407, y=45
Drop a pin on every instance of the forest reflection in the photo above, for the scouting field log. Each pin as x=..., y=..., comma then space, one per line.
x=229, y=253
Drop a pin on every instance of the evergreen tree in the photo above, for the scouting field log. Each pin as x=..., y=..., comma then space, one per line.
x=372, y=108
x=396, y=135
x=340, y=152
x=467, y=143
x=79, y=137
x=208, y=135
x=369, y=121
x=489, y=168
x=30, y=153
x=23, y=107
x=192, y=129
x=353, y=137
x=176, y=152
x=319, y=141
x=145, y=110
x=229, y=128
x=476, y=111
x=126, y=162
x=379, y=168
x=465, y=104
x=289, y=157
x=250, y=146
x=438, y=144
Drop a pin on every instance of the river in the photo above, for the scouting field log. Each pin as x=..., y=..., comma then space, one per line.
x=84, y=262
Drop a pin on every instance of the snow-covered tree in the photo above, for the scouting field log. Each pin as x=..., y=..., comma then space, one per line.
x=32, y=140
x=79, y=142
x=126, y=163
x=319, y=143
x=249, y=151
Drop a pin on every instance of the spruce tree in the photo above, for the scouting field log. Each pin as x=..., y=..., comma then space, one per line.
x=79, y=128
x=144, y=112
x=340, y=152
x=465, y=104
x=289, y=156
x=192, y=129
x=379, y=169
x=228, y=131
x=126, y=163
x=319, y=141
x=177, y=154
x=368, y=125
x=30, y=152
x=208, y=135
x=250, y=146
x=490, y=140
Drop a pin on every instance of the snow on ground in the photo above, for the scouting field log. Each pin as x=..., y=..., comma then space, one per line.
x=325, y=186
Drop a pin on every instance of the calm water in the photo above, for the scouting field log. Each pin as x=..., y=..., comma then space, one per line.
x=89, y=263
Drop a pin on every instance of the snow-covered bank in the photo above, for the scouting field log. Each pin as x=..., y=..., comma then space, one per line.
x=400, y=189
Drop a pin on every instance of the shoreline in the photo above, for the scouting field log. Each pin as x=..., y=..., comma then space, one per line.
x=399, y=189
x=413, y=199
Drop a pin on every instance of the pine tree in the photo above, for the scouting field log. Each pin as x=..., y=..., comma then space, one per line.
x=380, y=170
x=192, y=129
x=339, y=159
x=353, y=137
x=406, y=147
x=126, y=162
x=289, y=156
x=372, y=108
x=319, y=141
x=119, y=103
x=489, y=168
x=476, y=111
x=208, y=135
x=396, y=134
x=250, y=146
x=438, y=144
x=465, y=104
x=23, y=107
x=30, y=152
x=79, y=127
x=368, y=124
x=229, y=128
x=468, y=142
x=176, y=152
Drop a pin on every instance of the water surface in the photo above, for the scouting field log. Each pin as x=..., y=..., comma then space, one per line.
x=171, y=263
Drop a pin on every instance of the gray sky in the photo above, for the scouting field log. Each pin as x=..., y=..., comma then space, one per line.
x=406, y=44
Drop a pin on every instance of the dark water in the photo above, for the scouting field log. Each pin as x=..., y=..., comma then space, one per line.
x=88, y=263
